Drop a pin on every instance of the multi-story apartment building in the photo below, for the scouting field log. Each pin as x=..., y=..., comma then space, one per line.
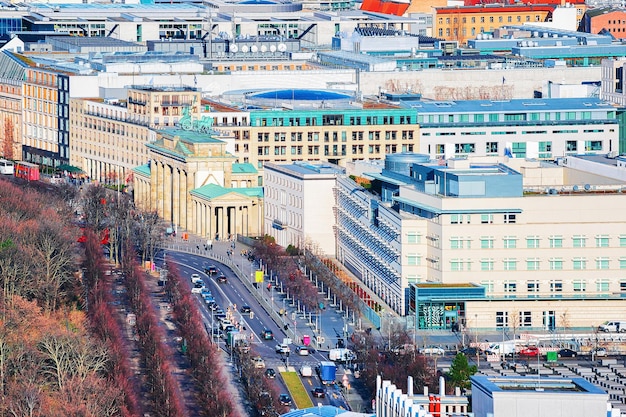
x=333, y=135
x=462, y=23
x=108, y=137
x=11, y=78
x=290, y=190
x=459, y=242
x=534, y=128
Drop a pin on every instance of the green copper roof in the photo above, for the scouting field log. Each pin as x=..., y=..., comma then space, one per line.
x=244, y=168
x=213, y=191
x=191, y=136
x=143, y=169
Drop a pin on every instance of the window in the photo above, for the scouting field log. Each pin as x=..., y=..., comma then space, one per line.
x=580, y=285
x=602, y=241
x=413, y=259
x=413, y=237
x=525, y=319
x=556, y=241
x=456, y=243
x=602, y=285
x=579, y=263
x=556, y=285
x=602, y=263
x=593, y=145
x=622, y=286
x=462, y=148
x=456, y=265
x=486, y=242
x=532, y=264
x=545, y=149
x=486, y=218
x=491, y=147
x=486, y=264
x=488, y=284
x=579, y=241
x=532, y=242
x=532, y=286
x=509, y=242
x=510, y=286
x=622, y=263
x=502, y=319
x=456, y=219
x=510, y=264
x=556, y=264
x=509, y=218
x=571, y=146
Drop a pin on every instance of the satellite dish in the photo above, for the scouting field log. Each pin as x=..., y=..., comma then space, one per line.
x=263, y=48
x=234, y=48
x=587, y=187
x=282, y=47
x=244, y=49
x=254, y=49
x=272, y=48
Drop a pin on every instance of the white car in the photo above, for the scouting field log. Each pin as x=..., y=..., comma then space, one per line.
x=283, y=348
x=599, y=352
x=432, y=350
x=195, y=278
x=197, y=290
x=258, y=362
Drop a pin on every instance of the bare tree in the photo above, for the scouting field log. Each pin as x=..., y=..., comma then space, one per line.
x=9, y=138
x=94, y=207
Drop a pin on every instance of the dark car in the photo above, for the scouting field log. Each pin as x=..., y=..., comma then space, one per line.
x=566, y=353
x=318, y=392
x=267, y=334
x=210, y=270
x=245, y=309
x=270, y=373
x=284, y=399
x=221, y=279
x=470, y=351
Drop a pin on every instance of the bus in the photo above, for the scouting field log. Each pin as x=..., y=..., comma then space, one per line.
x=7, y=167
x=27, y=171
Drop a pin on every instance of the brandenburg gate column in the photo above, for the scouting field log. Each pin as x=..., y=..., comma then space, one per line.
x=167, y=193
x=154, y=186
x=175, y=196
x=185, y=197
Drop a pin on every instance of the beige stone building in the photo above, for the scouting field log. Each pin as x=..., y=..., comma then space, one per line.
x=192, y=182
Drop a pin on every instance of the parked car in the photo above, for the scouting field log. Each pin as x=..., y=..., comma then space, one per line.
x=221, y=279
x=599, y=352
x=529, y=351
x=258, y=362
x=318, y=392
x=432, y=350
x=470, y=351
x=566, y=353
x=267, y=334
x=270, y=373
x=284, y=399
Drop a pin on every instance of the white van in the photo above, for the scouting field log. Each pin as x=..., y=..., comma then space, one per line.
x=306, y=370
x=341, y=355
x=613, y=326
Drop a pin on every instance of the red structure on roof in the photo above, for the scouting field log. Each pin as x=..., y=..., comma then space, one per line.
x=512, y=2
x=394, y=7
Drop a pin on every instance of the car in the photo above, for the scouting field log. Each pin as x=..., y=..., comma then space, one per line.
x=258, y=362
x=221, y=279
x=283, y=348
x=195, y=278
x=267, y=334
x=470, y=351
x=318, y=392
x=270, y=373
x=284, y=399
x=432, y=350
x=210, y=270
x=599, y=352
x=302, y=350
x=529, y=351
x=197, y=288
x=517, y=366
x=216, y=332
x=566, y=353
x=245, y=309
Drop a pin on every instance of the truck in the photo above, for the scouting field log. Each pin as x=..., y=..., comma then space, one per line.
x=341, y=355
x=612, y=326
x=238, y=340
x=506, y=348
x=326, y=371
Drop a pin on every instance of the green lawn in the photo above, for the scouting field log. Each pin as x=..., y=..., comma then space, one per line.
x=299, y=394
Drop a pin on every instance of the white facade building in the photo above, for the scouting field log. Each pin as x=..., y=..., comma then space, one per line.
x=299, y=201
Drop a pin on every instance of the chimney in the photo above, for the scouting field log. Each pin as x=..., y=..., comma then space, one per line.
x=442, y=386
x=425, y=391
x=409, y=386
x=457, y=391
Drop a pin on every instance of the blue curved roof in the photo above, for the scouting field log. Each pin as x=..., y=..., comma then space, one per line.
x=321, y=411
x=300, y=95
x=257, y=2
